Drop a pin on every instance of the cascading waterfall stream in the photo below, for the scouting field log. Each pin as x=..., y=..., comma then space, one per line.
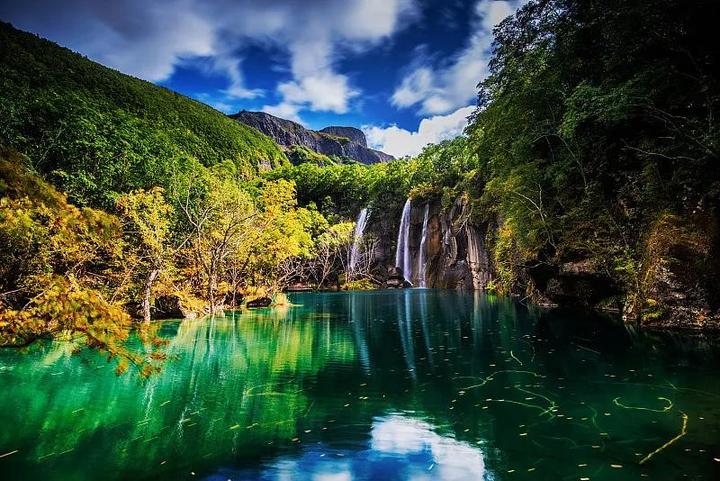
x=402, y=254
x=357, y=238
x=422, y=256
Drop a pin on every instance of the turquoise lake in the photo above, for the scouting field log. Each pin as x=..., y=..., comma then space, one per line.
x=380, y=385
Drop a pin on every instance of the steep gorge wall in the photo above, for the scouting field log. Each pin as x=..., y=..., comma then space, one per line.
x=457, y=257
x=676, y=284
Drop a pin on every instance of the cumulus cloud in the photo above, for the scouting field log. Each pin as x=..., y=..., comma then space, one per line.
x=284, y=110
x=151, y=39
x=442, y=88
x=322, y=29
x=401, y=142
x=326, y=91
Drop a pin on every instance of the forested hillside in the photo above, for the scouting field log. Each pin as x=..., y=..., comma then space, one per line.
x=95, y=132
x=121, y=201
x=598, y=147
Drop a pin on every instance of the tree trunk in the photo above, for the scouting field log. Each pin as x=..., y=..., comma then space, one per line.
x=212, y=287
x=148, y=291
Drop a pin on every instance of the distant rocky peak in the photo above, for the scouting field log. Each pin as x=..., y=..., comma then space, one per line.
x=351, y=133
x=335, y=141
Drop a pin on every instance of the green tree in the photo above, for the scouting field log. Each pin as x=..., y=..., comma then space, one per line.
x=56, y=278
x=146, y=217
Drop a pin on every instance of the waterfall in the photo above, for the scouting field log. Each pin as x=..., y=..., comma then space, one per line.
x=357, y=238
x=422, y=256
x=402, y=254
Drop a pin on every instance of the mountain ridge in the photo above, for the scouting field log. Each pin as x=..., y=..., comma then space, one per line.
x=333, y=141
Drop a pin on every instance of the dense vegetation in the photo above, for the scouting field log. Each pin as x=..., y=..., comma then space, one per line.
x=597, y=123
x=440, y=172
x=122, y=200
x=81, y=272
x=95, y=132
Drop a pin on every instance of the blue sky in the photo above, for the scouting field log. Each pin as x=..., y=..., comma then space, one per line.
x=404, y=71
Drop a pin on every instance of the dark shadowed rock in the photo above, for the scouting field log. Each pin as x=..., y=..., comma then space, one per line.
x=351, y=144
x=351, y=133
x=396, y=279
x=172, y=307
x=579, y=283
x=679, y=283
x=259, y=302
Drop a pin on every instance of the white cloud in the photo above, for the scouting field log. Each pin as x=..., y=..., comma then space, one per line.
x=319, y=31
x=151, y=39
x=442, y=88
x=284, y=110
x=231, y=67
x=400, y=142
x=414, y=88
x=327, y=91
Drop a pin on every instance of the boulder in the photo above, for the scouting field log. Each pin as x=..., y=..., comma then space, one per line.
x=259, y=303
x=395, y=279
x=172, y=307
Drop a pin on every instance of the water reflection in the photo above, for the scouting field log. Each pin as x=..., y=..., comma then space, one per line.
x=233, y=384
x=400, y=448
x=358, y=318
x=404, y=321
x=411, y=384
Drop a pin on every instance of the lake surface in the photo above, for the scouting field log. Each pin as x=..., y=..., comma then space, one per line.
x=383, y=385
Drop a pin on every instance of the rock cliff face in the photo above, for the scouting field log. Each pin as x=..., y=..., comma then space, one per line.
x=355, y=135
x=456, y=253
x=677, y=284
x=331, y=141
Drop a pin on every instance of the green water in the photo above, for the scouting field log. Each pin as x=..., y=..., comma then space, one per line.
x=415, y=384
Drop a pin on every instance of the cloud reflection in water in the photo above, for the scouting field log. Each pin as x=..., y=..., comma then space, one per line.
x=400, y=448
